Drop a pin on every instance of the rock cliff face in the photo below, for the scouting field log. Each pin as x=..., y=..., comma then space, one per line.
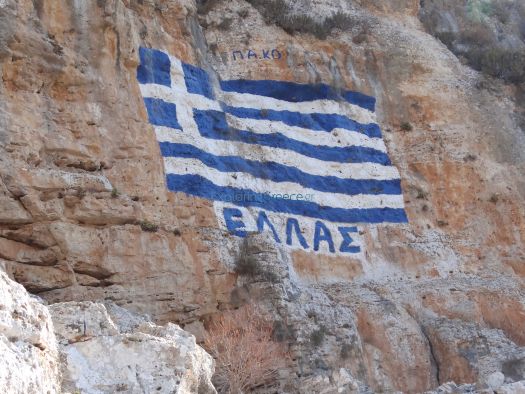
x=29, y=350
x=86, y=214
x=93, y=348
x=108, y=351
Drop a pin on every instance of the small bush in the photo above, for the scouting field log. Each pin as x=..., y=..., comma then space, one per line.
x=205, y=6
x=149, y=227
x=421, y=194
x=317, y=336
x=501, y=12
x=442, y=223
x=243, y=13
x=346, y=351
x=405, y=126
x=500, y=63
x=81, y=193
x=340, y=20
x=478, y=39
x=114, y=193
x=225, y=24
x=214, y=48
x=272, y=11
x=283, y=332
x=279, y=13
x=246, y=357
x=446, y=37
x=247, y=264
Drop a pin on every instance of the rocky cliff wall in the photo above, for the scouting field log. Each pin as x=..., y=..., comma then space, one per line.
x=86, y=214
x=93, y=348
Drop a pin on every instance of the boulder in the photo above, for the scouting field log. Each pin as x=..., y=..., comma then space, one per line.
x=132, y=355
x=29, y=361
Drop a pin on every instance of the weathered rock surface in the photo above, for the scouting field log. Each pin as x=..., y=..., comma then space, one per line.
x=390, y=335
x=29, y=361
x=72, y=347
x=129, y=355
x=81, y=176
x=452, y=388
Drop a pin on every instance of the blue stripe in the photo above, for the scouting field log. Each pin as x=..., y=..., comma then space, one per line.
x=202, y=187
x=296, y=92
x=361, y=100
x=161, y=113
x=154, y=67
x=197, y=80
x=212, y=124
x=281, y=173
x=315, y=122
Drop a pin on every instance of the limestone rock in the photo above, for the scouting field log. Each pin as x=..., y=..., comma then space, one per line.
x=453, y=388
x=29, y=362
x=469, y=353
x=37, y=278
x=22, y=253
x=142, y=357
x=512, y=388
x=12, y=212
x=101, y=211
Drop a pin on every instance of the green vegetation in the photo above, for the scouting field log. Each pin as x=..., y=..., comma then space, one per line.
x=149, y=227
x=247, y=264
x=406, y=126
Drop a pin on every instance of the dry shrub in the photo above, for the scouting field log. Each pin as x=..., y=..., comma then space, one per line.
x=241, y=343
x=481, y=26
x=280, y=13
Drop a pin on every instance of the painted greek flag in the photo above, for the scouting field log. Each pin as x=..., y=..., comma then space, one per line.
x=266, y=139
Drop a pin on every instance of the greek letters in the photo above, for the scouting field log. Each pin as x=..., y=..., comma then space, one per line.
x=252, y=54
x=307, y=235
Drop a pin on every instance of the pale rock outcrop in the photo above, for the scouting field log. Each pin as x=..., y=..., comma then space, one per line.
x=29, y=362
x=71, y=347
x=466, y=352
x=453, y=388
x=126, y=355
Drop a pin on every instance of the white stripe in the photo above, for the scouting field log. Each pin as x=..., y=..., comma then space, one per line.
x=178, y=96
x=183, y=166
x=190, y=101
x=177, y=73
x=247, y=100
x=337, y=138
x=289, y=158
